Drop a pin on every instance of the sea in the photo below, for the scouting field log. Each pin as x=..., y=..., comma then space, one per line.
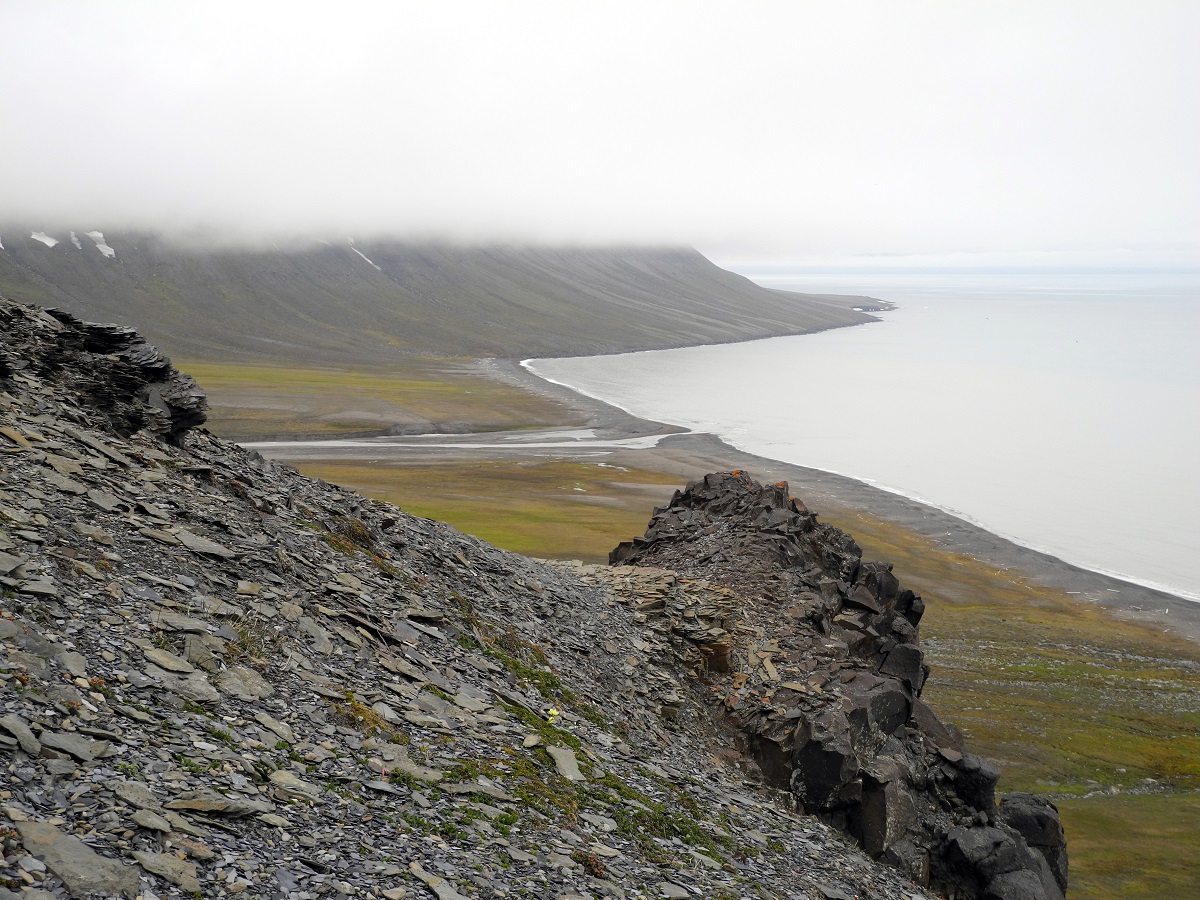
x=1059, y=410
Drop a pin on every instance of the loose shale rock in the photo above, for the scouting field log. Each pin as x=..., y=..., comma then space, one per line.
x=220, y=677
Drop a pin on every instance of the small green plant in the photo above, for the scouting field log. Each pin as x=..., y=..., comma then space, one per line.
x=192, y=707
x=591, y=863
x=398, y=776
x=545, y=730
x=195, y=766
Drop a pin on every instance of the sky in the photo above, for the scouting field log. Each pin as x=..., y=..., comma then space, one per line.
x=812, y=132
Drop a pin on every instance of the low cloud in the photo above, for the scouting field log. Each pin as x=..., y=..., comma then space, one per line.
x=761, y=129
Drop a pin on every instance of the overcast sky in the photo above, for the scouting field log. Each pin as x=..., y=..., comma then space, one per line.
x=816, y=131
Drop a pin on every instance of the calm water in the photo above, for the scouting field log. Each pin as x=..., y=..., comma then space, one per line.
x=1062, y=411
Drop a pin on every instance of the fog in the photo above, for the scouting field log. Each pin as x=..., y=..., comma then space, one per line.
x=753, y=130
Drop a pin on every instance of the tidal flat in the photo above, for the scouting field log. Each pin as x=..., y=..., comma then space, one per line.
x=1073, y=689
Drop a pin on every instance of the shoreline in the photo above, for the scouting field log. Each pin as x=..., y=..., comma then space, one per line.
x=688, y=455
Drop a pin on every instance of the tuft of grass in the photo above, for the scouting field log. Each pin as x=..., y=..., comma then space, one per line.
x=257, y=643
x=357, y=714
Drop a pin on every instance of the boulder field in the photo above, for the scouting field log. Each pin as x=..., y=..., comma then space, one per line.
x=219, y=677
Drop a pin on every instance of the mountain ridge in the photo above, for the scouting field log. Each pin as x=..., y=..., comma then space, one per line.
x=370, y=302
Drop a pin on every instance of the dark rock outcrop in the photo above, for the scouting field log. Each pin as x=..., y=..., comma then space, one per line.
x=825, y=692
x=103, y=371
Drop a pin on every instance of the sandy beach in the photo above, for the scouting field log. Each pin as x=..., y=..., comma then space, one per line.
x=624, y=440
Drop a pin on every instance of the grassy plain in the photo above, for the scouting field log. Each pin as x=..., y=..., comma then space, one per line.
x=424, y=394
x=1102, y=714
x=547, y=508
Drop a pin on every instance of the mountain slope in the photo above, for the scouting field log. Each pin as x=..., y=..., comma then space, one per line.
x=365, y=303
x=217, y=677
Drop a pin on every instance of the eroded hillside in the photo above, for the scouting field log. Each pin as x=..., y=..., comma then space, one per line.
x=365, y=304
x=221, y=677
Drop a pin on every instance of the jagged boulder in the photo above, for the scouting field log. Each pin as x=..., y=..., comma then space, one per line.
x=830, y=706
x=995, y=863
x=1036, y=820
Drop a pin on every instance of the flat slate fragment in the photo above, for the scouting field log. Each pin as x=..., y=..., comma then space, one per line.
x=84, y=871
x=198, y=544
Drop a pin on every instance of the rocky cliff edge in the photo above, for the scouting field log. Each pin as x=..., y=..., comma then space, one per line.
x=813, y=657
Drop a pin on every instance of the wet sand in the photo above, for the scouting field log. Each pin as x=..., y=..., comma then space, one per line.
x=690, y=455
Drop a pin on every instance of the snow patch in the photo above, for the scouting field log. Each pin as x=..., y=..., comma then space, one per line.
x=98, y=239
x=75, y=241
x=360, y=253
x=44, y=238
x=350, y=241
x=1, y=245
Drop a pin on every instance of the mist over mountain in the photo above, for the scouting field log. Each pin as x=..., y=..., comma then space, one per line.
x=368, y=302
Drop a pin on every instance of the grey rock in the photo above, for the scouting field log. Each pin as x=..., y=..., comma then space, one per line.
x=81, y=748
x=203, y=545
x=206, y=800
x=1036, y=820
x=196, y=650
x=282, y=729
x=244, y=684
x=565, y=763
x=105, y=500
x=441, y=888
x=172, y=621
x=40, y=587
x=19, y=728
x=151, y=820
x=82, y=870
x=74, y=663
x=168, y=661
x=99, y=535
x=175, y=870
x=294, y=786
x=194, y=686
x=135, y=793
x=8, y=562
